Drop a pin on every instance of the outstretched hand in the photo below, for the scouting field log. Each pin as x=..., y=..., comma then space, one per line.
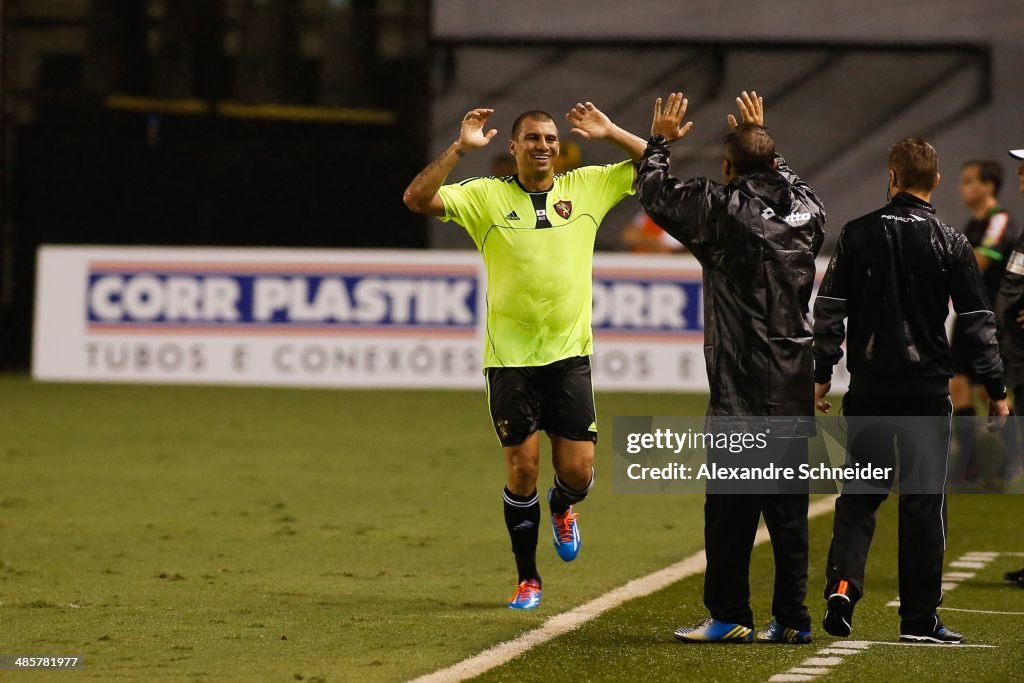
x=472, y=135
x=751, y=109
x=668, y=121
x=589, y=122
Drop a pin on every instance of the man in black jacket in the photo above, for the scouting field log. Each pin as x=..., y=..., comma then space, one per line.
x=1009, y=307
x=892, y=275
x=992, y=232
x=756, y=237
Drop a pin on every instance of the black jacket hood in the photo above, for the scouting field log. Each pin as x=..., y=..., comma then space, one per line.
x=771, y=187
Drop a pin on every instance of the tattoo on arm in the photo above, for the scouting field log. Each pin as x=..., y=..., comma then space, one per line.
x=434, y=164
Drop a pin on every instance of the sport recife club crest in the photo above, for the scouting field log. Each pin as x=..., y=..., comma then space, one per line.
x=563, y=207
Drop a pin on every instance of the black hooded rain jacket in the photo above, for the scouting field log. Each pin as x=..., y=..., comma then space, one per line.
x=756, y=239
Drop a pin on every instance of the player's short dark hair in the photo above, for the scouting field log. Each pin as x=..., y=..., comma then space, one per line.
x=915, y=163
x=749, y=148
x=532, y=115
x=988, y=172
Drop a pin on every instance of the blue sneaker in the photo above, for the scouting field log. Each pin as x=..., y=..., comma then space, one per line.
x=566, y=532
x=777, y=633
x=527, y=595
x=714, y=631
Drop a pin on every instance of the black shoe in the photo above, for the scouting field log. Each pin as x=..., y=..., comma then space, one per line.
x=940, y=634
x=1014, y=577
x=838, y=619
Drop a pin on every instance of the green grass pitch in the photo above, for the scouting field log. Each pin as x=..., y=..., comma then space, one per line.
x=222, y=534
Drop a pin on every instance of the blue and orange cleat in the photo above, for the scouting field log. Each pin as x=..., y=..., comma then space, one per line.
x=527, y=595
x=777, y=633
x=566, y=532
x=712, y=630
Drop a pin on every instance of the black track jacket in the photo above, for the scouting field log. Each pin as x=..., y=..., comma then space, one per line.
x=756, y=239
x=892, y=275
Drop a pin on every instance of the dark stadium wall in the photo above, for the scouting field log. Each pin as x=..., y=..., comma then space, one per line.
x=838, y=21
x=206, y=122
x=845, y=80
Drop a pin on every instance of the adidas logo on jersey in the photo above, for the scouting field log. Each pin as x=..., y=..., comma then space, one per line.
x=512, y=216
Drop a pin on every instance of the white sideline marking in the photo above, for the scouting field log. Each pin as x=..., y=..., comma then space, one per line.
x=822, y=661
x=973, y=559
x=979, y=611
x=568, y=621
x=819, y=666
x=943, y=646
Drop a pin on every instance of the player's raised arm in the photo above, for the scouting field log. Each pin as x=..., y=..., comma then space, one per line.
x=751, y=110
x=668, y=119
x=421, y=195
x=591, y=123
x=679, y=208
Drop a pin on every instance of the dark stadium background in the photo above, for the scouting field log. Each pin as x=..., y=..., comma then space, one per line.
x=172, y=532
x=298, y=123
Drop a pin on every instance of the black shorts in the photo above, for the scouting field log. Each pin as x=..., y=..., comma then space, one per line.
x=557, y=398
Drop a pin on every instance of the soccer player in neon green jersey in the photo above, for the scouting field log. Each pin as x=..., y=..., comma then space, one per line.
x=535, y=231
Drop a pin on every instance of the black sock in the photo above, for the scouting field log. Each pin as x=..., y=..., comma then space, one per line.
x=562, y=496
x=522, y=518
x=963, y=431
